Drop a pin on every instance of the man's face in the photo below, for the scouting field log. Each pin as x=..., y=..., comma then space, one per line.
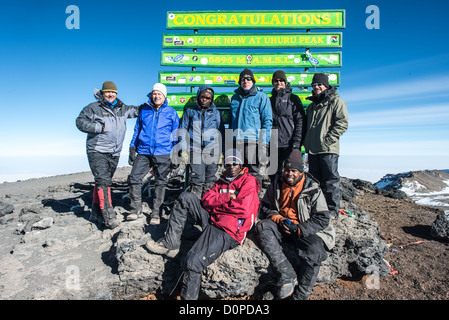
x=278, y=83
x=233, y=169
x=109, y=96
x=158, y=98
x=318, y=88
x=292, y=176
x=205, y=99
x=246, y=83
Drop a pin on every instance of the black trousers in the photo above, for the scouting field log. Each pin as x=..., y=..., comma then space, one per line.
x=103, y=166
x=201, y=172
x=310, y=250
x=142, y=165
x=209, y=246
x=324, y=167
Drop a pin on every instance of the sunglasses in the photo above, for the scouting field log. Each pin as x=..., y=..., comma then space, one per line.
x=229, y=165
x=279, y=80
x=316, y=84
x=247, y=79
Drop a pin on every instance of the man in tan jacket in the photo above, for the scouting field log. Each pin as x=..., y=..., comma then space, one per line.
x=327, y=120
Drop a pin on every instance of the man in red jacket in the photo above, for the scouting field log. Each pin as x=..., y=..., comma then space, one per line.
x=226, y=213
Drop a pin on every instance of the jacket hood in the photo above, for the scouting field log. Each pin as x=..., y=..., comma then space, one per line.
x=251, y=91
x=99, y=97
x=323, y=96
x=151, y=104
x=201, y=89
x=282, y=91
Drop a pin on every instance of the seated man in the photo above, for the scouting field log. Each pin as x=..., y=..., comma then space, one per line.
x=226, y=213
x=294, y=208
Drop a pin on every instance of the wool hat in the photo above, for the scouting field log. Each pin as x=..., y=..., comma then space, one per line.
x=109, y=86
x=279, y=74
x=161, y=88
x=321, y=78
x=233, y=156
x=205, y=88
x=295, y=160
x=246, y=73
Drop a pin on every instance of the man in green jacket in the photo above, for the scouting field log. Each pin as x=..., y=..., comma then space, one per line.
x=327, y=120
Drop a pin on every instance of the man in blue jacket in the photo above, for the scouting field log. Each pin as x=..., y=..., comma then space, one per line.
x=203, y=144
x=251, y=119
x=151, y=147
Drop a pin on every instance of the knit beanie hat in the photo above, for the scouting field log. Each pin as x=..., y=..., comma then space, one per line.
x=246, y=73
x=205, y=88
x=295, y=160
x=109, y=86
x=321, y=78
x=279, y=74
x=161, y=88
x=233, y=156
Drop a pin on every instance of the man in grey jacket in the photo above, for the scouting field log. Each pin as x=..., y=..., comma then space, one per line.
x=104, y=121
x=294, y=209
x=327, y=120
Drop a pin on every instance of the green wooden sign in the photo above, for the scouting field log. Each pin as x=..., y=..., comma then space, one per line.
x=289, y=19
x=254, y=40
x=231, y=78
x=252, y=60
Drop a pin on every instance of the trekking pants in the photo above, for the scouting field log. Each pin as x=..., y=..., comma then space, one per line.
x=103, y=166
x=324, y=167
x=209, y=246
x=310, y=250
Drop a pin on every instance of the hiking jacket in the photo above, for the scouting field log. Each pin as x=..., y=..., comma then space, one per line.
x=313, y=215
x=201, y=125
x=327, y=120
x=289, y=117
x=105, y=125
x=250, y=113
x=155, y=132
x=236, y=217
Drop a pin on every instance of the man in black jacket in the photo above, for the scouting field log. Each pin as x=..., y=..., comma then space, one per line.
x=288, y=118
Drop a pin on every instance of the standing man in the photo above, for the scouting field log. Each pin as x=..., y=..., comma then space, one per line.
x=251, y=119
x=294, y=209
x=327, y=120
x=289, y=118
x=226, y=213
x=151, y=147
x=104, y=122
x=205, y=128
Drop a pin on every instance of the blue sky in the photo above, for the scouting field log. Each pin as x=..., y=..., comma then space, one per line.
x=395, y=79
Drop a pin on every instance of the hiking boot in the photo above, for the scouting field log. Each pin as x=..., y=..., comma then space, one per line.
x=286, y=289
x=160, y=248
x=135, y=195
x=95, y=214
x=155, y=219
x=287, y=279
x=107, y=211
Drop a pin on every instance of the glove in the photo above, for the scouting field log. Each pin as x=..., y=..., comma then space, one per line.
x=263, y=154
x=132, y=155
x=185, y=157
x=290, y=226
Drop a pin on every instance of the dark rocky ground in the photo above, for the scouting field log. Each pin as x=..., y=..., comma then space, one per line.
x=75, y=259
